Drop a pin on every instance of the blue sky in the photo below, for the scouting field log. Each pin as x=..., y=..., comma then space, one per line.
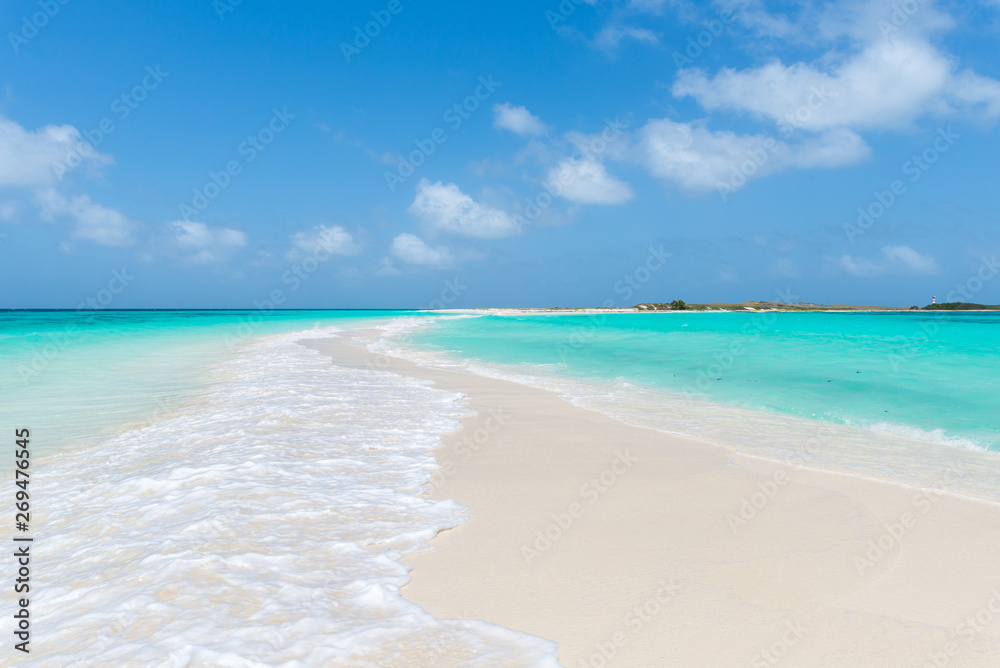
x=227, y=154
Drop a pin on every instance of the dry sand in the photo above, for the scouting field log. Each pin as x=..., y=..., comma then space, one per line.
x=630, y=547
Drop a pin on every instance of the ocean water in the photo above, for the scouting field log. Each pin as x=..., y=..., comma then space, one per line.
x=209, y=492
x=76, y=377
x=906, y=397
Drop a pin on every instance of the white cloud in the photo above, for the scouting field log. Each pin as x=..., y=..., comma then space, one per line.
x=862, y=20
x=895, y=260
x=334, y=240
x=445, y=208
x=861, y=267
x=881, y=72
x=699, y=159
x=32, y=159
x=94, y=222
x=916, y=262
x=833, y=148
x=887, y=85
x=198, y=243
x=588, y=182
x=612, y=142
x=611, y=36
x=517, y=119
x=413, y=250
x=693, y=156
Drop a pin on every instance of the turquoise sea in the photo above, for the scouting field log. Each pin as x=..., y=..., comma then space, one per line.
x=935, y=374
x=205, y=490
x=76, y=376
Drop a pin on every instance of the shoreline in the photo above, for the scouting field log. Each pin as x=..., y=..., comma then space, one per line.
x=598, y=311
x=708, y=538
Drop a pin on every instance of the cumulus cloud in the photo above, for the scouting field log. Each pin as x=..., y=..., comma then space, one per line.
x=444, y=208
x=918, y=263
x=199, y=243
x=691, y=155
x=39, y=158
x=888, y=85
x=699, y=159
x=413, y=250
x=92, y=222
x=833, y=148
x=333, y=240
x=881, y=71
x=894, y=260
x=587, y=181
x=517, y=119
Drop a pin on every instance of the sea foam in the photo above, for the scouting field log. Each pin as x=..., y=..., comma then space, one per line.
x=259, y=526
x=881, y=451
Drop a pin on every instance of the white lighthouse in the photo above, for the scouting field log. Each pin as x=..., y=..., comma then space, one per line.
x=933, y=300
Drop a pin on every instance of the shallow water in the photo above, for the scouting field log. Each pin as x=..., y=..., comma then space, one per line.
x=258, y=522
x=852, y=393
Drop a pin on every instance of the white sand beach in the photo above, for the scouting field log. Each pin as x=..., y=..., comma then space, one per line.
x=631, y=547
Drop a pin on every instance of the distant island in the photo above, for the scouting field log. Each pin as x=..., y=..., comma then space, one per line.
x=726, y=307
x=681, y=305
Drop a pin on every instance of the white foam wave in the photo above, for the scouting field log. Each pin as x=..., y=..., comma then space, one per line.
x=938, y=436
x=890, y=453
x=259, y=527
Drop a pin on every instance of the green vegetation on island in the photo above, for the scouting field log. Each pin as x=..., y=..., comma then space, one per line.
x=961, y=306
x=681, y=305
